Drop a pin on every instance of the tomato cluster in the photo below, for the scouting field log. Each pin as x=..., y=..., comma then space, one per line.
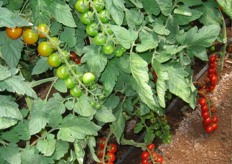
x=97, y=19
x=106, y=152
x=150, y=156
x=207, y=108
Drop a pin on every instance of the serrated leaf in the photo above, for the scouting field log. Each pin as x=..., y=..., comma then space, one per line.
x=68, y=36
x=83, y=107
x=60, y=150
x=139, y=126
x=151, y=7
x=30, y=156
x=149, y=136
x=55, y=104
x=22, y=131
x=185, y=20
x=7, y=122
x=110, y=76
x=79, y=148
x=11, y=49
x=96, y=62
x=10, y=19
x=92, y=145
x=46, y=146
x=161, y=29
x=41, y=66
x=165, y=6
x=134, y=18
x=137, y=3
x=139, y=71
x=60, y=86
x=147, y=41
x=62, y=13
x=105, y=115
x=10, y=154
x=73, y=127
x=124, y=36
x=4, y=73
x=16, y=84
x=226, y=6
x=54, y=119
x=15, y=4
x=112, y=101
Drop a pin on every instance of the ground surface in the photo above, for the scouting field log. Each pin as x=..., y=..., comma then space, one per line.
x=191, y=145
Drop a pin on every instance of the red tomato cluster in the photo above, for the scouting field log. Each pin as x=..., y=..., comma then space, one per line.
x=73, y=57
x=110, y=150
x=150, y=156
x=207, y=109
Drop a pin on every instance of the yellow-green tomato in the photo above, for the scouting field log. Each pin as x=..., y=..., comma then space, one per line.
x=62, y=72
x=88, y=78
x=54, y=60
x=44, y=49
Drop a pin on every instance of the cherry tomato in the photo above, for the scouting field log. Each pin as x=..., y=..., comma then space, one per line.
x=30, y=37
x=70, y=83
x=78, y=61
x=82, y=6
x=76, y=92
x=213, y=65
x=202, y=92
x=205, y=115
x=213, y=110
x=14, y=33
x=73, y=56
x=112, y=148
x=110, y=157
x=100, y=39
x=215, y=119
x=159, y=159
x=43, y=28
x=213, y=79
x=99, y=5
x=212, y=48
x=108, y=48
x=214, y=126
x=54, y=42
x=104, y=16
x=119, y=51
x=87, y=17
x=146, y=161
x=92, y=29
x=151, y=146
x=204, y=108
x=44, y=49
x=100, y=153
x=145, y=155
x=154, y=155
x=207, y=121
x=212, y=70
x=102, y=140
x=54, y=60
x=202, y=101
x=62, y=72
x=212, y=58
x=209, y=129
x=88, y=78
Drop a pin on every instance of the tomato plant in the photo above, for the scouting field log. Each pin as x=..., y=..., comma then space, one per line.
x=149, y=51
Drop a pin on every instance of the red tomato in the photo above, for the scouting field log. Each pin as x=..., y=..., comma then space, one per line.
x=202, y=101
x=204, y=108
x=209, y=129
x=159, y=159
x=207, y=121
x=212, y=70
x=73, y=56
x=205, y=114
x=215, y=119
x=212, y=65
x=212, y=58
x=112, y=148
x=154, y=155
x=214, y=126
x=145, y=155
x=151, y=146
x=202, y=92
x=110, y=157
x=100, y=153
x=102, y=142
x=78, y=60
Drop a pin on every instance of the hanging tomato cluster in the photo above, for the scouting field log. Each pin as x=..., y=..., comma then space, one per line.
x=207, y=109
x=150, y=156
x=106, y=152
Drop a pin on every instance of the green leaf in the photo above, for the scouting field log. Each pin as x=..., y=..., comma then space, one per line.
x=92, y=145
x=105, y=115
x=62, y=13
x=30, y=156
x=165, y=6
x=9, y=112
x=151, y=7
x=124, y=36
x=110, y=76
x=10, y=154
x=118, y=125
x=15, y=4
x=17, y=85
x=11, y=49
x=41, y=11
x=39, y=118
x=55, y=104
x=160, y=29
x=139, y=71
x=149, y=136
x=79, y=148
x=54, y=119
x=4, y=73
x=96, y=61
x=148, y=41
x=134, y=18
x=41, y=66
x=83, y=107
x=61, y=86
x=112, y=101
x=139, y=126
x=68, y=36
x=191, y=3
x=46, y=146
x=61, y=148
x=183, y=10
x=22, y=131
x=137, y=3
x=10, y=19
x=73, y=127
x=185, y=20
x=226, y=6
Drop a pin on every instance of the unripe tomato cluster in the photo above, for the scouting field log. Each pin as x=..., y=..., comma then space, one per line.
x=108, y=156
x=97, y=19
x=207, y=109
x=150, y=156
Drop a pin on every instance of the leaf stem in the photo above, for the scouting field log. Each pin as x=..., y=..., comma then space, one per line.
x=49, y=91
x=223, y=52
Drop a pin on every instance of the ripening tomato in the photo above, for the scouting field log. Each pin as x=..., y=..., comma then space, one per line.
x=14, y=33
x=110, y=157
x=54, y=60
x=62, y=72
x=73, y=56
x=145, y=155
x=112, y=148
x=30, y=36
x=44, y=49
x=159, y=159
x=43, y=29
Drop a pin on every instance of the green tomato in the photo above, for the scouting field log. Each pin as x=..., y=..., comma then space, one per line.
x=92, y=29
x=108, y=48
x=88, y=78
x=93, y=103
x=70, y=83
x=87, y=17
x=99, y=5
x=54, y=60
x=104, y=16
x=82, y=6
x=119, y=51
x=44, y=49
x=100, y=39
x=76, y=92
x=62, y=72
